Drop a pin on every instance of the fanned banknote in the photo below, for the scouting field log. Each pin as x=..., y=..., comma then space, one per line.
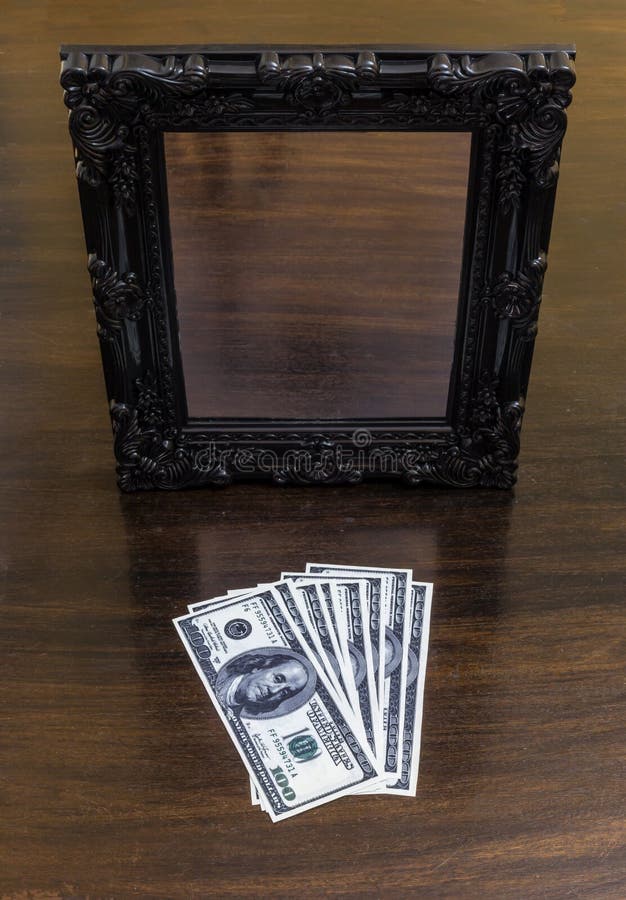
x=319, y=679
x=394, y=658
x=274, y=700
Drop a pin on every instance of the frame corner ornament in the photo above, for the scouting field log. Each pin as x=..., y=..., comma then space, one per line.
x=483, y=454
x=526, y=96
x=147, y=459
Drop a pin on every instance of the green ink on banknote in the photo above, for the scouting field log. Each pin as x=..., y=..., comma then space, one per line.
x=304, y=748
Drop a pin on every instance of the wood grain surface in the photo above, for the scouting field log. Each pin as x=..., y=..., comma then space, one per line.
x=317, y=275
x=117, y=778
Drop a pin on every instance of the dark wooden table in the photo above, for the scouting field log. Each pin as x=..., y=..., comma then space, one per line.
x=117, y=779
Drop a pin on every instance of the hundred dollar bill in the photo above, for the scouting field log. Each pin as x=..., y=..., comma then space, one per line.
x=353, y=600
x=421, y=601
x=311, y=631
x=394, y=657
x=274, y=700
x=296, y=600
x=337, y=641
x=336, y=604
x=313, y=595
x=300, y=603
x=318, y=610
x=378, y=593
x=379, y=590
x=316, y=603
x=303, y=605
x=347, y=601
x=312, y=605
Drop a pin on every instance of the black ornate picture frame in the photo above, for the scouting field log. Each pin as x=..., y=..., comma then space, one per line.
x=122, y=100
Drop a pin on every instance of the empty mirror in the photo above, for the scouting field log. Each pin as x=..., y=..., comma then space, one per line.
x=317, y=275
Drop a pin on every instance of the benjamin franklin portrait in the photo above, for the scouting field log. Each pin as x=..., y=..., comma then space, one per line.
x=265, y=682
x=393, y=653
x=358, y=664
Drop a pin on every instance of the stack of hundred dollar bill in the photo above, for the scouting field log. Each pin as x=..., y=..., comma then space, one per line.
x=319, y=680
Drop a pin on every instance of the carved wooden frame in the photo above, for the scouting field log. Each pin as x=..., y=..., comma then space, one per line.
x=121, y=100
